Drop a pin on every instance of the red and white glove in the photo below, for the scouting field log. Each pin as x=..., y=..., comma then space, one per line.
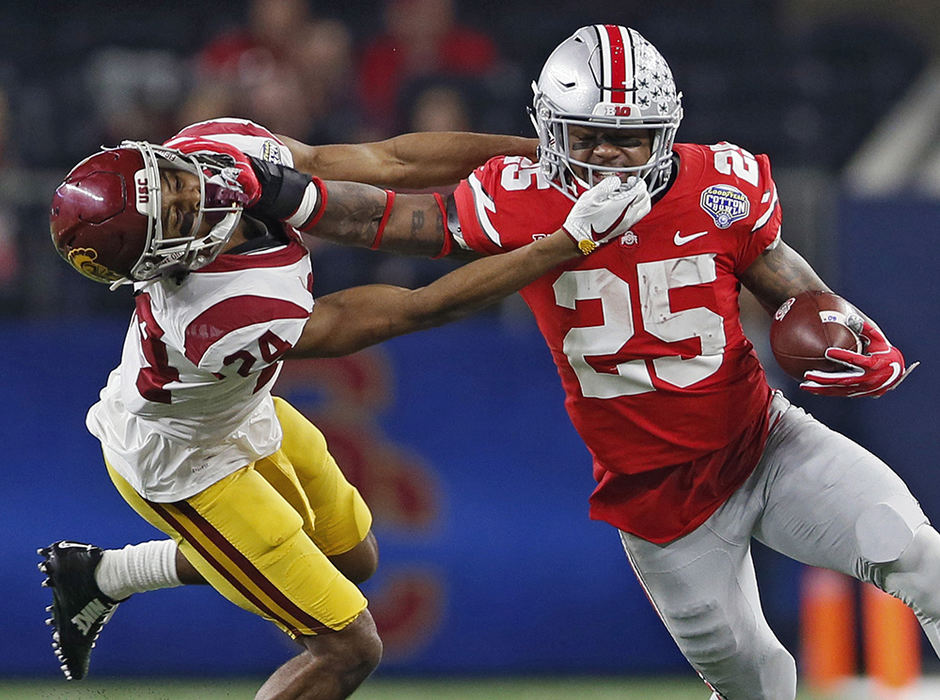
x=607, y=211
x=879, y=370
x=232, y=184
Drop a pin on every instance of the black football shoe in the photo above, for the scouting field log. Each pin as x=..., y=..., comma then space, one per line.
x=79, y=608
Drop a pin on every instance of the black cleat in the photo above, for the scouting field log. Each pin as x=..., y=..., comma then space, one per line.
x=79, y=608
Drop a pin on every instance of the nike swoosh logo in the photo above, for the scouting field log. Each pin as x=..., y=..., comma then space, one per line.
x=679, y=239
x=595, y=233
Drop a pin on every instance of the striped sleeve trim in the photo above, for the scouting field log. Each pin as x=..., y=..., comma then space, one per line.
x=765, y=217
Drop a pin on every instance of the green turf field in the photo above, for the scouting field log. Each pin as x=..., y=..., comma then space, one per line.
x=375, y=689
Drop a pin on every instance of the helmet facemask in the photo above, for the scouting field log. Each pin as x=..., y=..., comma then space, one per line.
x=575, y=89
x=220, y=203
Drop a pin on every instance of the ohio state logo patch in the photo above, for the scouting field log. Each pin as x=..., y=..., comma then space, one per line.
x=725, y=204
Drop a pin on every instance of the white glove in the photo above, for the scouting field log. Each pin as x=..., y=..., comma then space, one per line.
x=606, y=211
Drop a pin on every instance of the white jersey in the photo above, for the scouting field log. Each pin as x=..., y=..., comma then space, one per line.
x=191, y=401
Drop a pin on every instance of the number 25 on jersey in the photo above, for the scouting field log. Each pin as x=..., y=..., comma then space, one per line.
x=655, y=279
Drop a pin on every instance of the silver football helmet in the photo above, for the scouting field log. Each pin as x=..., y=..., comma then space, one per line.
x=608, y=76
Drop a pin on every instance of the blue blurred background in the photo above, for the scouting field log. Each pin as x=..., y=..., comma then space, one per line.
x=457, y=437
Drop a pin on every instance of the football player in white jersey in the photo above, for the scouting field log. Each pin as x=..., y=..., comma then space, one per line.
x=693, y=453
x=206, y=229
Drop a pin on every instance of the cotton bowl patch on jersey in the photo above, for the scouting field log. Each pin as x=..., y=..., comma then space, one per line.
x=725, y=204
x=271, y=152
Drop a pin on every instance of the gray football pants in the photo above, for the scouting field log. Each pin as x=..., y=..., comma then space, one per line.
x=816, y=497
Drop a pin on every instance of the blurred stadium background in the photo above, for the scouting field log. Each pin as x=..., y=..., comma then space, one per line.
x=493, y=581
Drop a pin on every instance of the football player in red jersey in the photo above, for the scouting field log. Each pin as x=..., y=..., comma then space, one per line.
x=192, y=437
x=693, y=453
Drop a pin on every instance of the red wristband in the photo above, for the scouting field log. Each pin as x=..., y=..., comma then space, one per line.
x=389, y=199
x=448, y=241
x=321, y=189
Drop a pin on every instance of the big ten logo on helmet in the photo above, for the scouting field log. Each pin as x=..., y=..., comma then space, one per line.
x=401, y=488
x=725, y=204
x=608, y=109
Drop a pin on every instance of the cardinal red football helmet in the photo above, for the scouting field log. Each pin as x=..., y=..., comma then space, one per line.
x=607, y=76
x=106, y=221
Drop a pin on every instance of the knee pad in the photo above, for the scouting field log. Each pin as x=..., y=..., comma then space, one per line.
x=885, y=530
x=913, y=579
x=755, y=665
x=703, y=633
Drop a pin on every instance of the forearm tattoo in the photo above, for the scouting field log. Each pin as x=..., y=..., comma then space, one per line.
x=778, y=274
x=415, y=225
x=417, y=230
x=417, y=222
x=352, y=215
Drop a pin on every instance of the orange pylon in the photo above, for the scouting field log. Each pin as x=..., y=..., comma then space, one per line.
x=892, y=639
x=827, y=628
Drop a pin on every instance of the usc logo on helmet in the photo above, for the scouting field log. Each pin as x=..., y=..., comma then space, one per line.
x=143, y=194
x=84, y=260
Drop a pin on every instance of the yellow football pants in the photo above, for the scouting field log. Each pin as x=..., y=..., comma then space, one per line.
x=261, y=536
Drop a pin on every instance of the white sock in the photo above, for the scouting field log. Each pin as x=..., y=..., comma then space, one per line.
x=137, y=568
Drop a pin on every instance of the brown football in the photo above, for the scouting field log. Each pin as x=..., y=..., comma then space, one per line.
x=805, y=325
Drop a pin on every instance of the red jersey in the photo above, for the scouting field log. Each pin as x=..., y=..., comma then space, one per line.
x=660, y=381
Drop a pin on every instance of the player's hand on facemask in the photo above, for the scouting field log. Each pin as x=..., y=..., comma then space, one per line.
x=879, y=370
x=235, y=182
x=286, y=194
x=607, y=211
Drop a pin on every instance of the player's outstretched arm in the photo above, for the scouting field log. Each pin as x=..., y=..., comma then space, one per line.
x=409, y=161
x=780, y=273
x=352, y=319
x=349, y=213
x=347, y=321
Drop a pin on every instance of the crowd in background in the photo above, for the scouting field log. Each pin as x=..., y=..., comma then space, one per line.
x=76, y=75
